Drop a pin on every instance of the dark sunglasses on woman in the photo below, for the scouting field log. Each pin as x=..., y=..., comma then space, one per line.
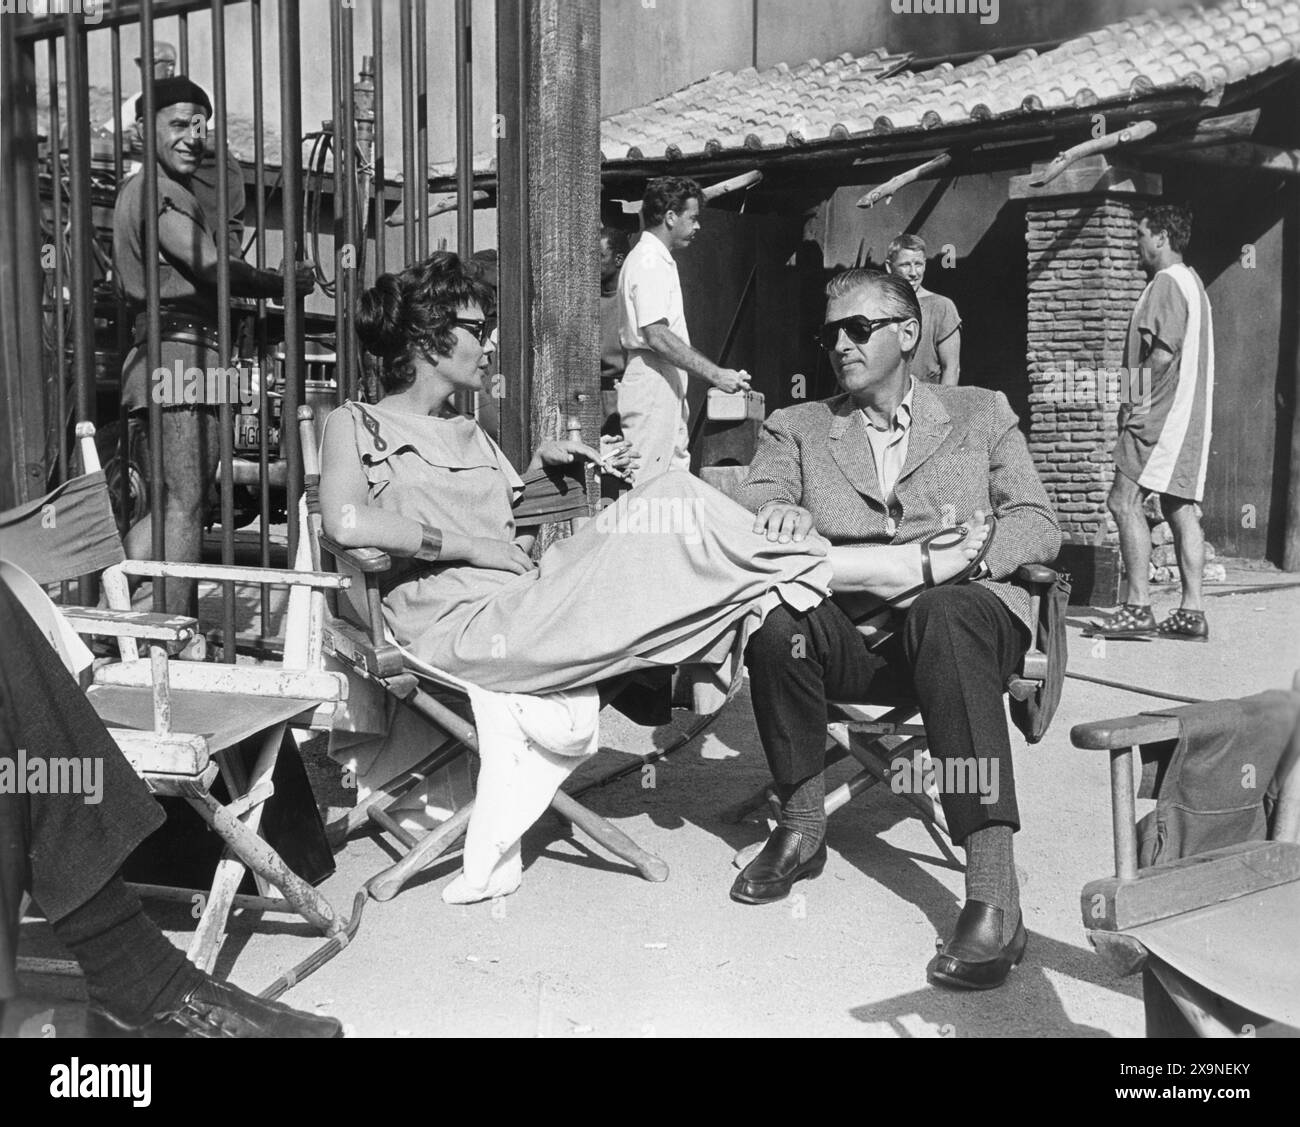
x=480, y=328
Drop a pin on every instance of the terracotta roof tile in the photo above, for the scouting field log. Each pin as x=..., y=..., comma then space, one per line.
x=846, y=97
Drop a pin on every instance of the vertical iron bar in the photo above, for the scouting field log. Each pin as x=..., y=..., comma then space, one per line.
x=291, y=169
x=60, y=281
x=464, y=130
x=514, y=294
x=153, y=309
x=83, y=235
x=337, y=114
x=122, y=337
x=183, y=21
x=422, y=127
x=260, y=330
x=225, y=413
x=345, y=138
x=381, y=192
x=409, y=243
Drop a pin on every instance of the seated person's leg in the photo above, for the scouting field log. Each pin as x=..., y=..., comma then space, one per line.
x=797, y=662
x=962, y=644
x=66, y=849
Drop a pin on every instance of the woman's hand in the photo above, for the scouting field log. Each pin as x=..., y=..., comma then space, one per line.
x=499, y=555
x=619, y=457
x=562, y=452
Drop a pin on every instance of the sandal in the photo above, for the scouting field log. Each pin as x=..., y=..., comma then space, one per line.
x=1130, y=621
x=1185, y=625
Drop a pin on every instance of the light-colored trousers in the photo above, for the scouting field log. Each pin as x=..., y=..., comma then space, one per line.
x=652, y=406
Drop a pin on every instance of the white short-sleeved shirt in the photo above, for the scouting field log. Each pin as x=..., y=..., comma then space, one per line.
x=649, y=290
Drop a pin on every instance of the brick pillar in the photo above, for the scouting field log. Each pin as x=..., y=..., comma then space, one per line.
x=1084, y=280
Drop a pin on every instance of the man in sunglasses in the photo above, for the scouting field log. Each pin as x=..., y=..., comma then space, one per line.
x=652, y=328
x=893, y=460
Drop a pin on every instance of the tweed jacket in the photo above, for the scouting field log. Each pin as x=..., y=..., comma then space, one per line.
x=965, y=452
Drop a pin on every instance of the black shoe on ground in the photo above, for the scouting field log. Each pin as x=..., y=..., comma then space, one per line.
x=218, y=1009
x=975, y=957
x=770, y=875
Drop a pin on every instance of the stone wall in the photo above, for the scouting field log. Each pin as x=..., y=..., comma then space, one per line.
x=1084, y=280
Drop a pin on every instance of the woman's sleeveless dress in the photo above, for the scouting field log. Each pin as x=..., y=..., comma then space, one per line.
x=665, y=577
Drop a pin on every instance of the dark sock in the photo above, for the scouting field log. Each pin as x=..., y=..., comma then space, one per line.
x=803, y=808
x=991, y=874
x=132, y=969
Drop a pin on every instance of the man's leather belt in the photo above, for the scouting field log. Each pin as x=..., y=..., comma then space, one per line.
x=180, y=328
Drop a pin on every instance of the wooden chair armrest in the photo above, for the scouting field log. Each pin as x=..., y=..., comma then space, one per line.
x=1036, y=575
x=1125, y=732
x=171, y=630
x=367, y=560
x=226, y=573
x=553, y=495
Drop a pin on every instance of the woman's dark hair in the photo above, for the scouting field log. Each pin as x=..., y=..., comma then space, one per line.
x=404, y=314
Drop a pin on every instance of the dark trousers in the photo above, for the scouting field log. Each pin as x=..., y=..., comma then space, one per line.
x=58, y=847
x=955, y=652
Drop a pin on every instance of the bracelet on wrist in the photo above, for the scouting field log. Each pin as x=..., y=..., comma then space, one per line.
x=430, y=548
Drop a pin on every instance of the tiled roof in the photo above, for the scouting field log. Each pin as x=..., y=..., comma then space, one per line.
x=846, y=98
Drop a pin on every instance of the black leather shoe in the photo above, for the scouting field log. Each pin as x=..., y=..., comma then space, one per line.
x=218, y=1009
x=770, y=875
x=974, y=958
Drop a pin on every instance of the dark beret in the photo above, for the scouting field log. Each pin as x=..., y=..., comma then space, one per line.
x=171, y=91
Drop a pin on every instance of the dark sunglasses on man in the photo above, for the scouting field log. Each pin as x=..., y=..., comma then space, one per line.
x=857, y=328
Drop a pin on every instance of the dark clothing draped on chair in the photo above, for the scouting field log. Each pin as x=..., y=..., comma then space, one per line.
x=59, y=847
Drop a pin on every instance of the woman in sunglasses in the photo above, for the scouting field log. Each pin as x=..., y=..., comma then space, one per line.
x=666, y=577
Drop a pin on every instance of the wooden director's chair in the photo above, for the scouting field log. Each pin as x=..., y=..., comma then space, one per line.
x=181, y=723
x=882, y=735
x=1214, y=932
x=355, y=635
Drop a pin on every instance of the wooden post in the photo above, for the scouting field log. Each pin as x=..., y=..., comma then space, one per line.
x=558, y=106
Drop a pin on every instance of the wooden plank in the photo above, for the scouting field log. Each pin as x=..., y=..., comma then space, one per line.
x=248, y=680
x=351, y=644
x=1245, y=155
x=131, y=624
x=1127, y=731
x=176, y=753
x=272, y=576
x=1186, y=885
x=1091, y=175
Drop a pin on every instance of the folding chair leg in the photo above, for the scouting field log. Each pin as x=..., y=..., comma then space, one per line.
x=249, y=851
x=387, y=884
x=612, y=838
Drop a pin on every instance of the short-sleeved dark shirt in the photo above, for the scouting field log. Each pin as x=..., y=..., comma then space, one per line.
x=939, y=320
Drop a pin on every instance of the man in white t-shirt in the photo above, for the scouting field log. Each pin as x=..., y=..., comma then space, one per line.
x=652, y=327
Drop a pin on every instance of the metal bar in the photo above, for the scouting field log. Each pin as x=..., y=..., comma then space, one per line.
x=122, y=335
x=409, y=237
x=345, y=137
x=60, y=314
x=381, y=189
x=464, y=130
x=153, y=308
x=422, y=127
x=260, y=330
x=514, y=296
x=83, y=259
x=337, y=112
x=183, y=24
x=225, y=412
x=291, y=169
x=24, y=409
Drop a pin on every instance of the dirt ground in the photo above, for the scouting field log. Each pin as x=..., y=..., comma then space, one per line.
x=586, y=948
